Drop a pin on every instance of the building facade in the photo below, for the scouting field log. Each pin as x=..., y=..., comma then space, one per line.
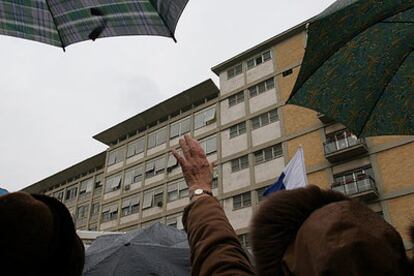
x=247, y=128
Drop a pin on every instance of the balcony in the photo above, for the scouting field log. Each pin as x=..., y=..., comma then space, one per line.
x=324, y=119
x=345, y=148
x=363, y=188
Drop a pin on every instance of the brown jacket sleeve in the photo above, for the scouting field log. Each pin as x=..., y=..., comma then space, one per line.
x=215, y=248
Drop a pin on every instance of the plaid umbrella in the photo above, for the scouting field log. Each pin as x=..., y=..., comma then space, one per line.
x=358, y=67
x=61, y=23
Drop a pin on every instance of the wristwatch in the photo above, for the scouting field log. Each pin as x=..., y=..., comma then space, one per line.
x=197, y=192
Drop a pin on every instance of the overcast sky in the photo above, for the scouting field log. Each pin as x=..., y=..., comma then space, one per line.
x=52, y=102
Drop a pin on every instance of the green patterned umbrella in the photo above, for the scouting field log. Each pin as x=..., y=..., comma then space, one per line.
x=61, y=23
x=358, y=67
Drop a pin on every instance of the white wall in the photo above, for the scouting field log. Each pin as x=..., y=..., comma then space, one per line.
x=108, y=224
x=126, y=219
x=135, y=158
x=236, y=180
x=266, y=133
x=232, y=146
x=112, y=194
x=115, y=166
x=232, y=84
x=154, y=179
x=233, y=113
x=151, y=211
x=205, y=129
x=178, y=203
x=269, y=170
x=239, y=218
x=156, y=149
x=263, y=100
x=260, y=71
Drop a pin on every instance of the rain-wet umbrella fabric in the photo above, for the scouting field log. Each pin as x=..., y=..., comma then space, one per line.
x=61, y=23
x=157, y=250
x=358, y=66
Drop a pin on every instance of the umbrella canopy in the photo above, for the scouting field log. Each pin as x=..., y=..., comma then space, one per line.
x=358, y=67
x=61, y=23
x=157, y=250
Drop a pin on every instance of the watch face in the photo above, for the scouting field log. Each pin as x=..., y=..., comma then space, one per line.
x=198, y=191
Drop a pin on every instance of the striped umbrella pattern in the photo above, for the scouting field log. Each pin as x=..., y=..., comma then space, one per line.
x=62, y=23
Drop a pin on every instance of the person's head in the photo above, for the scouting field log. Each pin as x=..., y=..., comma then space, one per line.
x=38, y=237
x=309, y=231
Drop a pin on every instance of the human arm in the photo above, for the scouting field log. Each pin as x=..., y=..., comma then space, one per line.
x=215, y=247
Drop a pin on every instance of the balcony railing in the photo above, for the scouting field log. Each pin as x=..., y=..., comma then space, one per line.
x=344, y=148
x=364, y=187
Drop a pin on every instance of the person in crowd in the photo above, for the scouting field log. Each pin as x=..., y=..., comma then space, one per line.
x=305, y=231
x=38, y=237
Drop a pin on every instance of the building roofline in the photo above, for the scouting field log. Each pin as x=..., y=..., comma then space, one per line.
x=158, y=112
x=84, y=166
x=260, y=47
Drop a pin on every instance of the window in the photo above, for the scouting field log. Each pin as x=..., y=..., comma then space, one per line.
x=244, y=240
x=209, y=144
x=260, y=192
x=204, y=118
x=71, y=193
x=130, y=206
x=242, y=201
x=153, y=198
x=113, y=183
x=265, y=119
x=234, y=71
x=155, y=167
x=237, y=130
x=82, y=212
x=172, y=162
x=98, y=181
x=236, y=99
x=116, y=156
x=180, y=128
x=58, y=195
x=261, y=87
x=157, y=138
x=133, y=175
x=86, y=187
x=239, y=164
x=110, y=213
x=350, y=183
x=258, y=59
x=287, y=72
x=177, y=190
x=268, y=154
x=136, y=147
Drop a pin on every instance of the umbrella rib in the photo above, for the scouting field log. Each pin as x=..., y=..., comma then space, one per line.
x=163, y=21
x=54, y=21
x=383, y=91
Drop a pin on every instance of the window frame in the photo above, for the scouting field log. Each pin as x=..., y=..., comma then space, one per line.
x=116, y=156
x=237, y=130
x=235, y=99
x=113, y=188
x=179, y=188
x=134, y=147
x=265, y=119
x=254, y=61
x=203, y=115
x=234, y=71
x=261, y=87
x=268, y=154
x=158, y=136
x=245, y=200
x=180, y=131
x=238, y=164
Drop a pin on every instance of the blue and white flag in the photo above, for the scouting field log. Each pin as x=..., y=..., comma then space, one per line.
x=293, y=175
